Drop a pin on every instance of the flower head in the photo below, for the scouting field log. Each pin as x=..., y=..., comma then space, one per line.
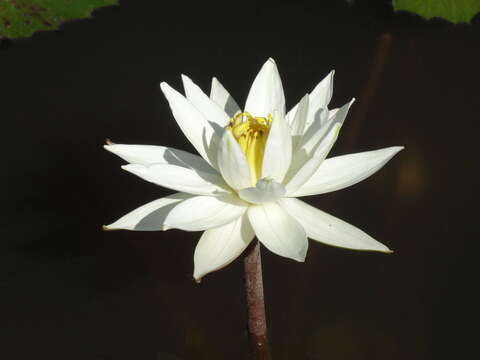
x=252, y=167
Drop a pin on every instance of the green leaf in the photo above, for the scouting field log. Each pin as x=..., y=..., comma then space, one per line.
x=452, y=10
x=21, y=18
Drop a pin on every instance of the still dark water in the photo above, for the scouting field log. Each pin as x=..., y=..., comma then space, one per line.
x=71, y=291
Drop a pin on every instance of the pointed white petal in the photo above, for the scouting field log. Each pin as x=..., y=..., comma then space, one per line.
x=194, y=125
x=316, y=140
x=205, y=212
x=181, y=178
x=149, y=217
x=297, y=125
x=266, y=94
x=222, y=98
x=342, y=171
x=332, y=112
x=266, y=190
x=278, y=231
x=220, y=246
x=151, y=154
x=318, y=130
x=328, y=229
x=299, y=175
x=278, y=150
x=232, y=162
x=319, y=99
x=210, y=110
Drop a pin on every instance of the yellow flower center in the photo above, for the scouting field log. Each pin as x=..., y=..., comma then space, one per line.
x=251, y=134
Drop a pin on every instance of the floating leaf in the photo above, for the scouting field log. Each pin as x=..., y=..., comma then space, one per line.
x=21, y=18
x=452, y=10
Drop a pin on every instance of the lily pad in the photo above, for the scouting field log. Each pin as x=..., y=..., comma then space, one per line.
x=455, y=11
x=21, y=18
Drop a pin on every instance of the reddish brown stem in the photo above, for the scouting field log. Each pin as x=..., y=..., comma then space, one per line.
x=257, y=322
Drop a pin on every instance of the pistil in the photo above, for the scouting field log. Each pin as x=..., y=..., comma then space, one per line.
x=251, y=134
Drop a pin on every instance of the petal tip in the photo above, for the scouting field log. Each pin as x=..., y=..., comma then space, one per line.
x=165, y=87
x=395, y=150
x=133, y=168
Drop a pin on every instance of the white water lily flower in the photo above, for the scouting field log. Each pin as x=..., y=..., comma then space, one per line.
x=252, y=166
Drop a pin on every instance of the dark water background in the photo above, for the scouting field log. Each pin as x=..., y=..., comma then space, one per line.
x=71, y=291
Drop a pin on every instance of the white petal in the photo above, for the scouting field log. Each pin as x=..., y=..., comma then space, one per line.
x=151, y=154
x=316, y=140
x=298, y=123
x=220, y=246
x=299, y=174
x=232, y=162
x=278, y=150
x=193, y=124
x=278, y=231
x=222, y=98
x=180, y=178
x=212, y=112
x=149, y=217
x=318, y=130
x=266, y=94
x=205, y=212
x=328, y=229
x=266, y=190
x=319, y=99
x=342, y=171
x=332, y=112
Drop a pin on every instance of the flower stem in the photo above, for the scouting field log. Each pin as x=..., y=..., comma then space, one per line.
x=257, y=322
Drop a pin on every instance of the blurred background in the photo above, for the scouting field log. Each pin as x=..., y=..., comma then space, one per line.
x=71, y=291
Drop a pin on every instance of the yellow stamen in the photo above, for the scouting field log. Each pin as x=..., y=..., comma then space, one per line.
x=251, y=134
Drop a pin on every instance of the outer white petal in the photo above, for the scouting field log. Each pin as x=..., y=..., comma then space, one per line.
x=328, y=229
x=266, y=190
x=149, y=217
x=278, y=150
x=194, y=125
x=342, y=171
x=301, y=174
x=222, y=98
x=180, y=178
x=297, y=125
x=220, y=246
x=319, y=99
x=232, y=162
x=212, y=112
x=278, y=231
x=151, y=154
x=205, y=212
x=266, y=94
